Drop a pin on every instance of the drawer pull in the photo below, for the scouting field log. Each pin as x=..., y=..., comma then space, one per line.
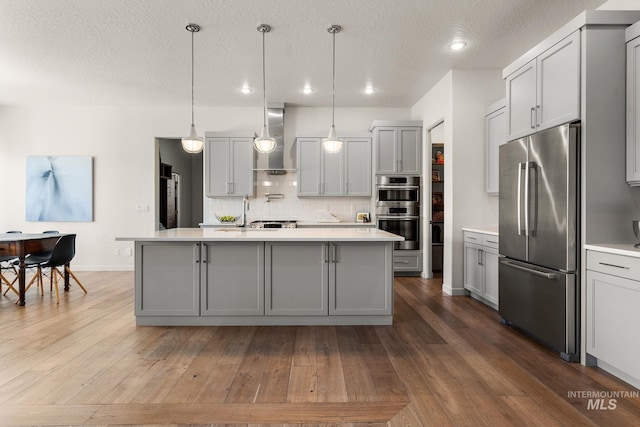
x=472, y=238
x=613, y=265
x=401, y=262
x=491, y=241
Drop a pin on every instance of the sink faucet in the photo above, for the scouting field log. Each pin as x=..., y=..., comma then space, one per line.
x=245, y=208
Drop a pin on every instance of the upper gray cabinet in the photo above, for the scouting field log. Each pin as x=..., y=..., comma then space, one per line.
x=398, y=147
x=346, y=173
x=545, y=92
x=495, y=127
x=228, y=166
x=633, y=109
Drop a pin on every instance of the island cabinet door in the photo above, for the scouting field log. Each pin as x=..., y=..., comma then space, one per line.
x=296, y=281
x=167, y=279
x=360, y=278
x=232, y=279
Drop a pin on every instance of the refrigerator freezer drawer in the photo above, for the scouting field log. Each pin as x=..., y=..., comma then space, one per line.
x=541, y=302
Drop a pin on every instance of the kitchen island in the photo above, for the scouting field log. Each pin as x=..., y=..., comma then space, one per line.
x=233, y=276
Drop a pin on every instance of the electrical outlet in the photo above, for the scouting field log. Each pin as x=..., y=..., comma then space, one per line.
x=142, y=208
x=117, y=252
x=127, y=251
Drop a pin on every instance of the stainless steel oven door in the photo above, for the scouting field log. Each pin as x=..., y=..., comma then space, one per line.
x=407, y=227
x=398, y=194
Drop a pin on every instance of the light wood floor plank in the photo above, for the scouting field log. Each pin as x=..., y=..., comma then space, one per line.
x=445, y=361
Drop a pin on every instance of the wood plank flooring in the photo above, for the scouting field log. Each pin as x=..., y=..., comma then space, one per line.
x=446, y=361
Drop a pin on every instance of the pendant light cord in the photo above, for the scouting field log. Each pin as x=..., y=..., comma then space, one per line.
x=264, y=86
x=192, y=77
x=333, y=78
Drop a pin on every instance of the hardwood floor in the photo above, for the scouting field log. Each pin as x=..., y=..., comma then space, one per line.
x=445, y=361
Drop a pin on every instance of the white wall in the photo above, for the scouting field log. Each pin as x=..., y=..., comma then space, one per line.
x=461, y=98
x=122, y=144
x=620, y=5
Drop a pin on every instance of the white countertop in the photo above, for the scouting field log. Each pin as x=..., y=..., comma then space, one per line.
x=303, y=224
x=626, y=249
x=484, y=230
x=322, y=234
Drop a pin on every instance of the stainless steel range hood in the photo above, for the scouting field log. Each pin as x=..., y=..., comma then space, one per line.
x=280, y=161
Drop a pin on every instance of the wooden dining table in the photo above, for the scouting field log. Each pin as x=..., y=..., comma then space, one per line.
x=21, y=245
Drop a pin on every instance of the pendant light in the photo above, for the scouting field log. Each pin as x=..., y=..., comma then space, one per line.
x=192, y=143
x=264, y=143
x=332, y=144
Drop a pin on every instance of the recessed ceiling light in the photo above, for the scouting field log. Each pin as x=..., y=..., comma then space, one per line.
x=246, y=89
x=457, y=45
x=369, y=90
x=307, y=90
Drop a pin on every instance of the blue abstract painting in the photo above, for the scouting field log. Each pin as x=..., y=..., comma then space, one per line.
x=59, y=188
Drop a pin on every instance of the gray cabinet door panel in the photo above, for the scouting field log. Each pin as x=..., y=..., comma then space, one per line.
x=296, y=278
x=167, y=279
x=358, y=167
x=521, y=101
x=409, y=143
x=360, y=278
x=386, y=153
x=232, y=279
x=217, y=166
x=241, y=166
x=332, y=173
x=309, y=177
x=473, y=268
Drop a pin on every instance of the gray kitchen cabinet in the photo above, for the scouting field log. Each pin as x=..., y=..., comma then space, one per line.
x=319, y=173
x=358, y=178
x=167, y=279
x=546, y=91
x=495, y=126
x=481, y=267
x=633, y=109
x=296, y=278
x=232, y=279
x=355, y=272
x=338, y=278
x=407, y=261
x=228, y=166
x=397, y=148
x=346, y=173
x=613, y=298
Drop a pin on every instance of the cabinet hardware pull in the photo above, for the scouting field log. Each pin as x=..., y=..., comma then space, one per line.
x=533, y=110
x=401, y=262
x=613, y=265
x=491, y=241
x=334, y=256
x=538, y=115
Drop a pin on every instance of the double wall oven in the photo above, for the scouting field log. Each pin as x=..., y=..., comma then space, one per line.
x=398, y=208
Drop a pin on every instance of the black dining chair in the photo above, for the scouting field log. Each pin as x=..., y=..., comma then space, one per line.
x=60, y=257
x=6, y=264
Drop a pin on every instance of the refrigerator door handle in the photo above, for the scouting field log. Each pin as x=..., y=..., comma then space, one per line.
x=532, y=222
x=519, y=213
x=544, y=274
x=526, y=198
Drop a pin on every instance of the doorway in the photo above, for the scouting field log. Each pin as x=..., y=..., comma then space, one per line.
x=179, y=185
x=435, y=140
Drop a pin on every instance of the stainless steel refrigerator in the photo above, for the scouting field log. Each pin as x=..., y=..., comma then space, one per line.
x=539, y=237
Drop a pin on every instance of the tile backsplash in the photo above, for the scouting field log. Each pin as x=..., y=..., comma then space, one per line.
x=289, y=207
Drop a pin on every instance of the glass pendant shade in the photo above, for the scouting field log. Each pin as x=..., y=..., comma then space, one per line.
x=192, y=143
x=264, y=143
x=332, y=144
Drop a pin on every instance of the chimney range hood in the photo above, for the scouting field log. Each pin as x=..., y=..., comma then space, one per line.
x=280, y=161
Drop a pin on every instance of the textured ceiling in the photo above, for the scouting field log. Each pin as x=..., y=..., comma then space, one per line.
x=137, y=52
